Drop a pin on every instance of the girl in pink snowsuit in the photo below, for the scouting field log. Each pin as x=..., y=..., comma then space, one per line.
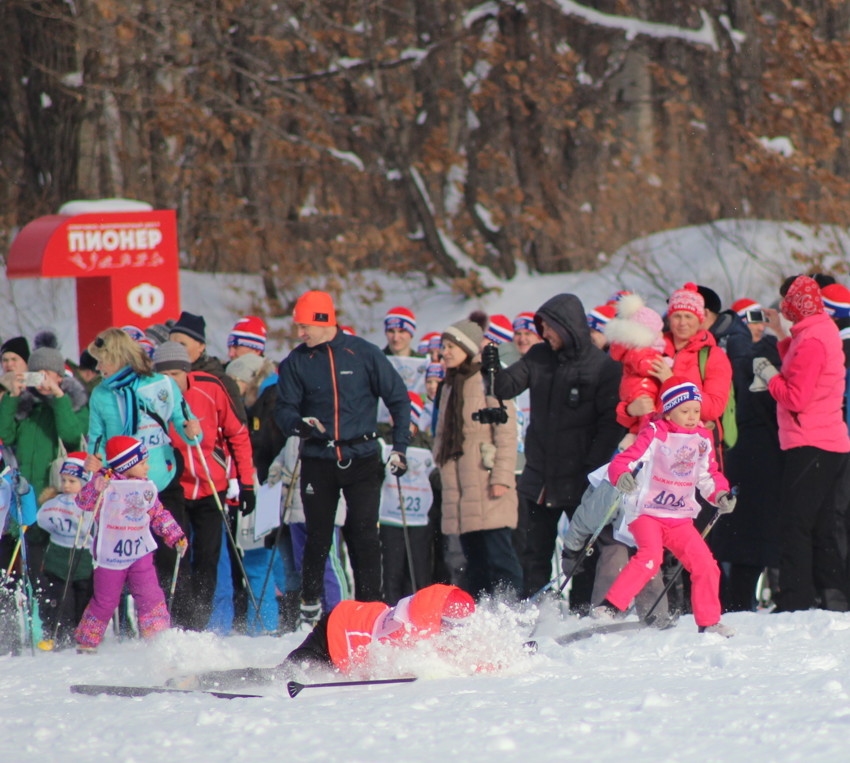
x=678, y=458
x=123, y=547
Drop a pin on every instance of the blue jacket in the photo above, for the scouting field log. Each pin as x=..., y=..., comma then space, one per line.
x=339, y=382
x=108, y=417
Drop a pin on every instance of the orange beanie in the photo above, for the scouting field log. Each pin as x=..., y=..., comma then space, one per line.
x=315, y=308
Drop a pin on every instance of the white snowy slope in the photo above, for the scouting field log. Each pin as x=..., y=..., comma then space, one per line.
x=777, y=691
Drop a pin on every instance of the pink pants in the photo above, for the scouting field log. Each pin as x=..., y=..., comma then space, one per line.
x=653, y=535
x=108, y=584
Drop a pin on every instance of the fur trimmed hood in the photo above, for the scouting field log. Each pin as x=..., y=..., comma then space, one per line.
x=636, y=325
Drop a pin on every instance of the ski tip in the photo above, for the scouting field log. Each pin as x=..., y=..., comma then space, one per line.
x=294, y=688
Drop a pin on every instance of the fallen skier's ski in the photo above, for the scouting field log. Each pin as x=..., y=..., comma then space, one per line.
x=93, y=690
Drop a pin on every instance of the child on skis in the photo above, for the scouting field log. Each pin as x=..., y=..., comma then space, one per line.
x=678, y=459
x=125, y=507
x=66, y=554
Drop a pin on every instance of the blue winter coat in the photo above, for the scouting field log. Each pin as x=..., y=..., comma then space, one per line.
x=339, y=382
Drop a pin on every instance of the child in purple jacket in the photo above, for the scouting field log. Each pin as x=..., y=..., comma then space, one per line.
x=126, y=508
x=677, y=453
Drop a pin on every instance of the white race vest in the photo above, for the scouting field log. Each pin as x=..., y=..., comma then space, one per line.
x=412, y=373
x=415, y=487
x=61, y=517
x=123, y=527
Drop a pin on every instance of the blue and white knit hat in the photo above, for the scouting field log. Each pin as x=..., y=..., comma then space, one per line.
x=677, y=390
x=525, y=322
x=435, y=371
x=74, y=465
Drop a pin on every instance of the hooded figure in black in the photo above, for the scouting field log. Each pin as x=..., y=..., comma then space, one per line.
x=574, y=389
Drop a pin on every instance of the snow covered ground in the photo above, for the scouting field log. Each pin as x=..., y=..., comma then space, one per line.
x=777, y=691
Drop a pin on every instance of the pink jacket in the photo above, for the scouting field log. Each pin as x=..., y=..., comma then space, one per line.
x=676, y=462
x=810, y=387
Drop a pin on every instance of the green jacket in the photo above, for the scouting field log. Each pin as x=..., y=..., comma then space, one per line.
x=32, y=425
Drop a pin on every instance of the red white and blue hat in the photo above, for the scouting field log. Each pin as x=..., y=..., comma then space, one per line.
x=348, y=330
x=599, y=316
x=677, y=390
x=417, y=407
x=617, y=296
x=74, y=465
x=435, y=371
x=400, y=318
x=123, y=453
x=499, y=329
x=836, y=300
x=424, y=346
x=525, y=322
x=134, y=332
x=249, y=332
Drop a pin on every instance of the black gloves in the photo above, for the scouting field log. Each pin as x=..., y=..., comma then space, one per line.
x=397, y=463
x=247, y=499
x=569, y=559
x=490, y=360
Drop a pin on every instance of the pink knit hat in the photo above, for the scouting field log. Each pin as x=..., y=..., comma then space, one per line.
x=687, y=299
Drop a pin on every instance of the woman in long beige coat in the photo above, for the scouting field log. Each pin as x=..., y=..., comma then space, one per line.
x=477, y=463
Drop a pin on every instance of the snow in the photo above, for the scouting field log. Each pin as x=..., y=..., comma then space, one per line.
x=776, y=691
x=779, y=690
x=781, y=145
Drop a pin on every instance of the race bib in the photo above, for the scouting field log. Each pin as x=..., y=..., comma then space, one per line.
x=412, y=372
x=66, y=522
x=123, y=527
x=670, y=488
x=415, y=490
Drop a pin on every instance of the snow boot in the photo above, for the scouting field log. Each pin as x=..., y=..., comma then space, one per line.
x=719, y=628
x=605, y=611
x=311, y=612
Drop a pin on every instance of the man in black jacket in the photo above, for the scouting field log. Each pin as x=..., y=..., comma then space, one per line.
x=328, y=391
x=574, y=394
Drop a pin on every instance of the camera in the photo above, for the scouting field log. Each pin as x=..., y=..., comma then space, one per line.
x=491, y=416
x=756, y=316
x=33, y=378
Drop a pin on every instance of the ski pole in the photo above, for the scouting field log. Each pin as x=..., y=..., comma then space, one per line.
x=173, y=587
x=677, y=570
x=290, y=493
x=28, y=592
x=227, y=529
x=294, y=688
x=406, y=534
x=587, y=550
x=8, y=573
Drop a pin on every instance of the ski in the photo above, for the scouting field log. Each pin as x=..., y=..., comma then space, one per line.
x=227, y=679
x=593, y=630
x=93, y=690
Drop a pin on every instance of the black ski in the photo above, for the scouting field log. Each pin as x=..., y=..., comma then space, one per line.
x=593, y=630
x=93, y=690
x=227, y=679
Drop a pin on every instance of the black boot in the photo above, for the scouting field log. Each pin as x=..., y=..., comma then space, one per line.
x=289, y=609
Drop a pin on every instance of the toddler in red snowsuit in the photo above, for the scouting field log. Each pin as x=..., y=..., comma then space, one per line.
x=678, y=458
x=636, y=341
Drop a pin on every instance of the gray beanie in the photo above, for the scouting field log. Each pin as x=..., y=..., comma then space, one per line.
x=245, y=367
x=171, y=356
x=47, y=359
x=467, y=335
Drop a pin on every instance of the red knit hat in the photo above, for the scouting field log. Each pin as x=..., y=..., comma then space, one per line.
x=74, y=465
x=424, y=346
x=348, y=330
x=249, y=332
x=802, y=299
x=417, y=407
x=315, y=308
x=499, y=329
x=836, y=300
x=677, y=390
x=740, y=306
x=525, y=322
x=687, y=299
x=599, y=316
x=400, y=318
x=123, y=453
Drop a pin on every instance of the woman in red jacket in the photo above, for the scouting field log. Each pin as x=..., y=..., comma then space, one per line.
x=683, y=344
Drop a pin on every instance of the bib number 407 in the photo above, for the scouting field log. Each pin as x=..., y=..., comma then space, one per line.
x=127, y=547
x=669, y=499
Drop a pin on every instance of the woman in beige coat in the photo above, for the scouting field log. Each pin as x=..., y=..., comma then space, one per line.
x=477, y=463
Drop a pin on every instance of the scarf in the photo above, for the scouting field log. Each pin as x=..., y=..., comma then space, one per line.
x=123, y=384
x=451, y=443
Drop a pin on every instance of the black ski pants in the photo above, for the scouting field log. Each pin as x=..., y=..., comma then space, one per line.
x=359, y=480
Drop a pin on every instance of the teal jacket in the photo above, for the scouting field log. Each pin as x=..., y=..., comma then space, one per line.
x=110, y=415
